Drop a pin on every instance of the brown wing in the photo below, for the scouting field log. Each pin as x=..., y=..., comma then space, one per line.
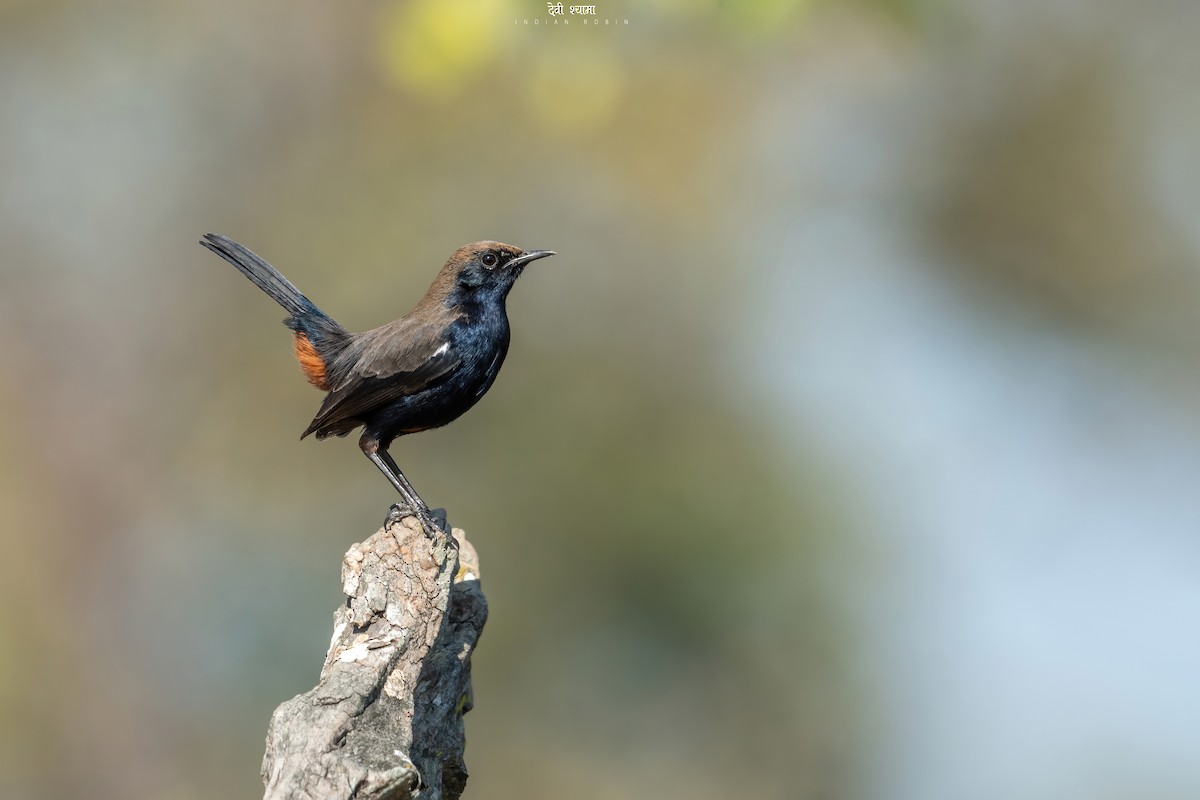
x=382, y=366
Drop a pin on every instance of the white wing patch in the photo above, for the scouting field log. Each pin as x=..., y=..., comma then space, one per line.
x=441, y=351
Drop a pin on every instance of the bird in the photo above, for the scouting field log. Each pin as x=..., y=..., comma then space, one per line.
x=418, y=372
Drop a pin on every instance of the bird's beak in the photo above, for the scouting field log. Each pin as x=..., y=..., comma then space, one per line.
x=529, y=255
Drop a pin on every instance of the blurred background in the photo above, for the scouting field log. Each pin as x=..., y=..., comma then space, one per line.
x=848, y=449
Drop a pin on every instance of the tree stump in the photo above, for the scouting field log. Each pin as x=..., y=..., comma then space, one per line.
x=385, y=719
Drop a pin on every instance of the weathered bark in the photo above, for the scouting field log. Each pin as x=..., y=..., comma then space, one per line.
x=385, y=720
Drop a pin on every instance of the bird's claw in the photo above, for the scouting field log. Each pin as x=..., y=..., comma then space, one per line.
x=396, y=513
x=435, y=526
x=429, y=521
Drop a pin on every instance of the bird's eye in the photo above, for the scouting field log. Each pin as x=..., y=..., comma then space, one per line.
x=489, y=259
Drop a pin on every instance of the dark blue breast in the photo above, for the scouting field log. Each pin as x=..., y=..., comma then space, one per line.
x=479, y=342
x=482, y=344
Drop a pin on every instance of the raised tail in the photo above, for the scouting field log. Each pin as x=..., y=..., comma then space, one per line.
x=318, y=337
x=264, y=276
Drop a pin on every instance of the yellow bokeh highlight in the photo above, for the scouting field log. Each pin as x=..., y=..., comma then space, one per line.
x=575, y=88
x=435, y=47
x=763, y=17
x=678, y=9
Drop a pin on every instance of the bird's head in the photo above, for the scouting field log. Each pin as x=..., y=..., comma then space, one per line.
x=485, y=270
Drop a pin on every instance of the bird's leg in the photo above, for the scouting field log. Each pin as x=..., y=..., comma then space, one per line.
x=411, y=504
x=380, y=458
x=420, y=509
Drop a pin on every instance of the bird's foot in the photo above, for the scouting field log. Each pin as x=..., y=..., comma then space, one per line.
x=397, y=512
x=434, y=525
